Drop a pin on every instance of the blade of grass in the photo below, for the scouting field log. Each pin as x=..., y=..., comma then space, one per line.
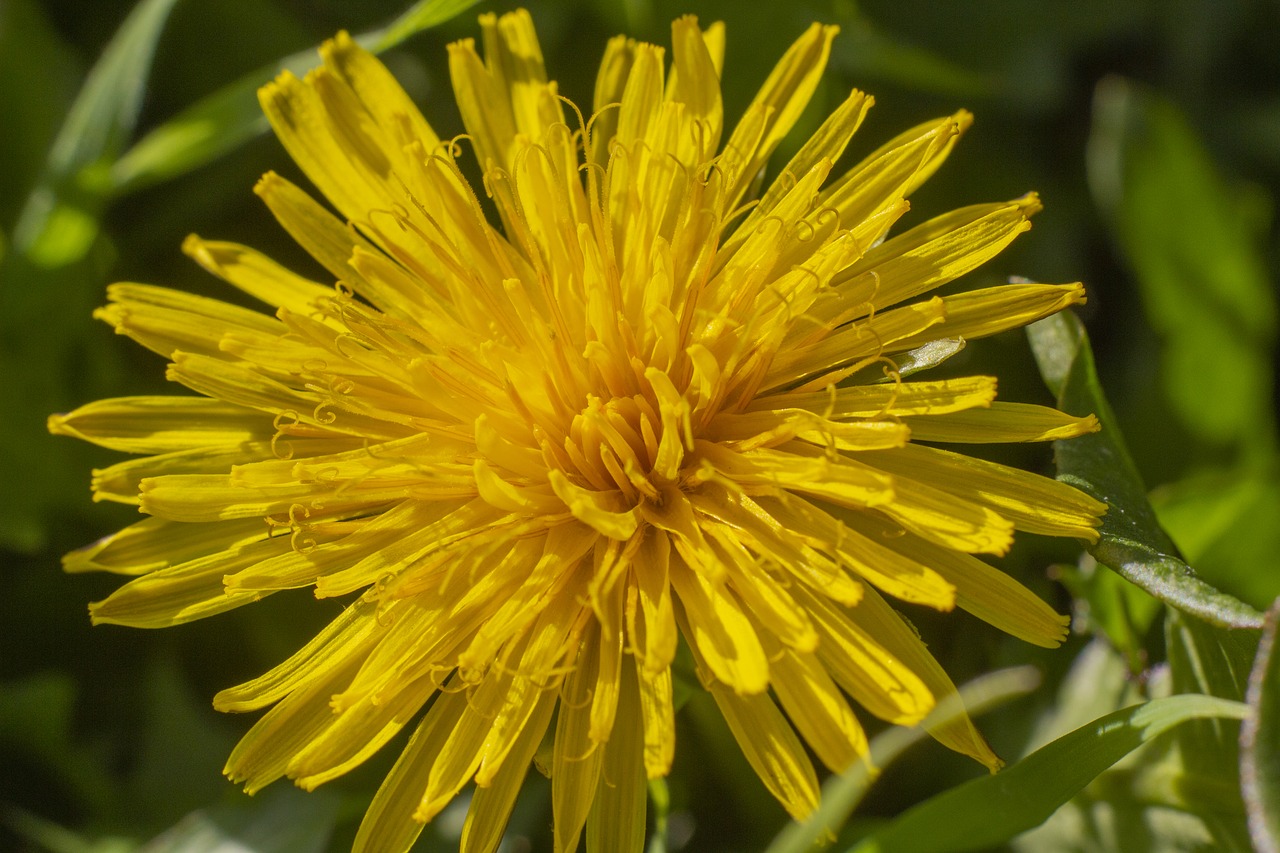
x=985, y=812
x=58, y=223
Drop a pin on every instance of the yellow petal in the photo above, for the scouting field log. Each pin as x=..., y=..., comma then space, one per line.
x=514, y=57
x=343, y=640
x=713, y=621
x=263, y=754
x=576, y=758
x=543, y=657
x=1002, y=422
x=899, y=639
x=932, y=254
x=859, y=341
x=256, y=274
x=865, y=556
x=165, y=321
x=941, y=517
x=827, y=143
x=695, y=83
x=651, y=571
x=658, y=714
x=389, y=822
x=378, y=544
x=779, y=103
x=1033, y=503
x=978, y=313
x=218, y=497
x=462, y=751
x=818, y=709
x=986, y=592
x=598, y=510
x=313, y=227
x=872, y=674
x=641, y=95
x=246, y=387
x=764, y=531
x=483, y=102
x=340, y=167
x=154, y=544
x=894, y=170
x=940, y=396
x=833, y=478
x=121, y=481
x=617, y=820
x=187, y=591
x=431, y=526
x=491, y=803
x=611, y=80
x=608, y=687
x=771, y=748
x=770, y=428
x=357, y=732
x=162, y=424
x=764, y=596
x=378, y=91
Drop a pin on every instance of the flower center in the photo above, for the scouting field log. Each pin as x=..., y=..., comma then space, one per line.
x=615, y=444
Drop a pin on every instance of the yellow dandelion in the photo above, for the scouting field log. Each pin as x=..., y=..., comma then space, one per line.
x=648, y=409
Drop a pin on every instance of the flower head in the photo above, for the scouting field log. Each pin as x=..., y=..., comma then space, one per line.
x=648, y=408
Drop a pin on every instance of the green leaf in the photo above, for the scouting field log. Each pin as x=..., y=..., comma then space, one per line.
x=106, y=110
x=231, y=116
x=1208, y=659
x=1151, y=800
x=422, y=15
x=841, y=794
x=1260, y=743
x=1131, y=540
x=59, y=222
x=1114, y=815
x=991, y=810
x=1196, y=248
x=1224, y=523
x=1098, y=683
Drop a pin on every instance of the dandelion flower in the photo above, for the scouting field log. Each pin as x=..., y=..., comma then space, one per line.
x=647, y=408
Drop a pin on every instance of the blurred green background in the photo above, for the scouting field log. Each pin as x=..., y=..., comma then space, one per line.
x=1151, y=130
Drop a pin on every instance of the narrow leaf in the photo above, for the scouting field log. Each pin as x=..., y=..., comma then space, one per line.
x=1131, y=541
x=58, y=223
x=106, y=110
x=1260, y=742
x=422, y=15
x=993, y=809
